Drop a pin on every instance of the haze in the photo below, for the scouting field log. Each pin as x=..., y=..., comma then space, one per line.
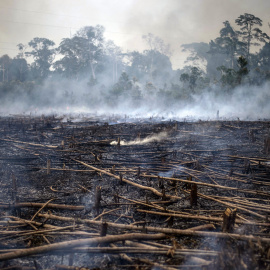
x=175, y=21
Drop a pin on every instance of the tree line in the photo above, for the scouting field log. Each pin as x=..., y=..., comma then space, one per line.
x=228, y=61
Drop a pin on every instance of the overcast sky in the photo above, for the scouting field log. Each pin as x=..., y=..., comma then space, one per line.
x=175, y=21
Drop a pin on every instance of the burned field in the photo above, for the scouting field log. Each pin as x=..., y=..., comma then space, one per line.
x=92, y=194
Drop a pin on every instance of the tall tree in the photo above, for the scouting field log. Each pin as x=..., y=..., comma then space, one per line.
x=157, y=46
x=93, y=46
x=72, y=62
x=263, y=57
x=229, y=45
x=43, y=55
x=19, y=69
x=151, y=65
x=250, y=32
x=193, y=75
x=198, y=53
x=155, y=43
x=5, y=63
x=114, y=57
x=82, y=54
x=20, y=65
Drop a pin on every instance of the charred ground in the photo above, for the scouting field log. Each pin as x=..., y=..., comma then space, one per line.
x=148, y=194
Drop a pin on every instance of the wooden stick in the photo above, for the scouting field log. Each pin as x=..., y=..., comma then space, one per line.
x=45, y=204
x=32, y=144
x=210, y=185
x=77, y=243
x=50, y=205
x=153, y=190
x=163, y=230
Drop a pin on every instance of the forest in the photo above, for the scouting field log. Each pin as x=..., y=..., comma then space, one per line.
x=88, y=71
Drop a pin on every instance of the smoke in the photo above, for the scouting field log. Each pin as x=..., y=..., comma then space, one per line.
x=183, y=22
x=149, y=139
x=175, y=21
x=77, y=97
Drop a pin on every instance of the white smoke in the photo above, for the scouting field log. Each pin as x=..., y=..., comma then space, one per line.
x=76, y=98
x=149, y=139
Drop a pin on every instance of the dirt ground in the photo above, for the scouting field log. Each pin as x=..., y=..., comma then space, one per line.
x=109, y=193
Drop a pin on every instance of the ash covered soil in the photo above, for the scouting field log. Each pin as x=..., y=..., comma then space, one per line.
x=89, y=193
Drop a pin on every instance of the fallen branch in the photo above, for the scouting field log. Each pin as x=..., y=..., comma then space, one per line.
x=163, y=230
x=50, y=205
x=78, y=243
x=32, y=144
x=153, y=190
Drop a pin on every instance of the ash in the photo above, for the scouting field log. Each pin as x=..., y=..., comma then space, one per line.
x=192, y=194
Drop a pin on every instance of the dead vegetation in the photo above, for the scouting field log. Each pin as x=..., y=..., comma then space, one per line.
x=91, y=194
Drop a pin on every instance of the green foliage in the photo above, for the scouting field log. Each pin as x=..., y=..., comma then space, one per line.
x=263, y=57
x=82, y=54
x=123, y=86
x=230, y=77
x=157, y=44
x=242, y=64
x=191, y=78
x=228, y=44
x=184, y=78
x=89, y=58
x=15, y=69
x=43, y=54
x=249, y=32
x=150, y=65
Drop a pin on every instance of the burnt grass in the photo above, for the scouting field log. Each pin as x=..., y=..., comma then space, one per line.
x=41, y=159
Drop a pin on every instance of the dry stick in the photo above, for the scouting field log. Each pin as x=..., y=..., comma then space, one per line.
x=36, y=231
x=233, y=178
x=209, y=185
x=79, y=242
x=84, y=188
x=175, y=179
x=163, y=230
x=139, y=250
x=258, y=208
x=24, y=221
x=48, y=166
x=156, y=192
x=76, y=233
x=50, y=205
x=141, y=203
x=251, y=205
x=148, y=244
x=45, y=204
x=33, y=144
x=231, y=205
x=28, y=222
x=105, y=213
x=186, y=170
x=202, y=227
x=153, y=245
x=43, y=236
x=123, y=255
x=69, y=170
x=171, y=214
x=245, y=199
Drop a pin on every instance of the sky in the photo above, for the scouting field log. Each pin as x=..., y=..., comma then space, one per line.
x=175, y=21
